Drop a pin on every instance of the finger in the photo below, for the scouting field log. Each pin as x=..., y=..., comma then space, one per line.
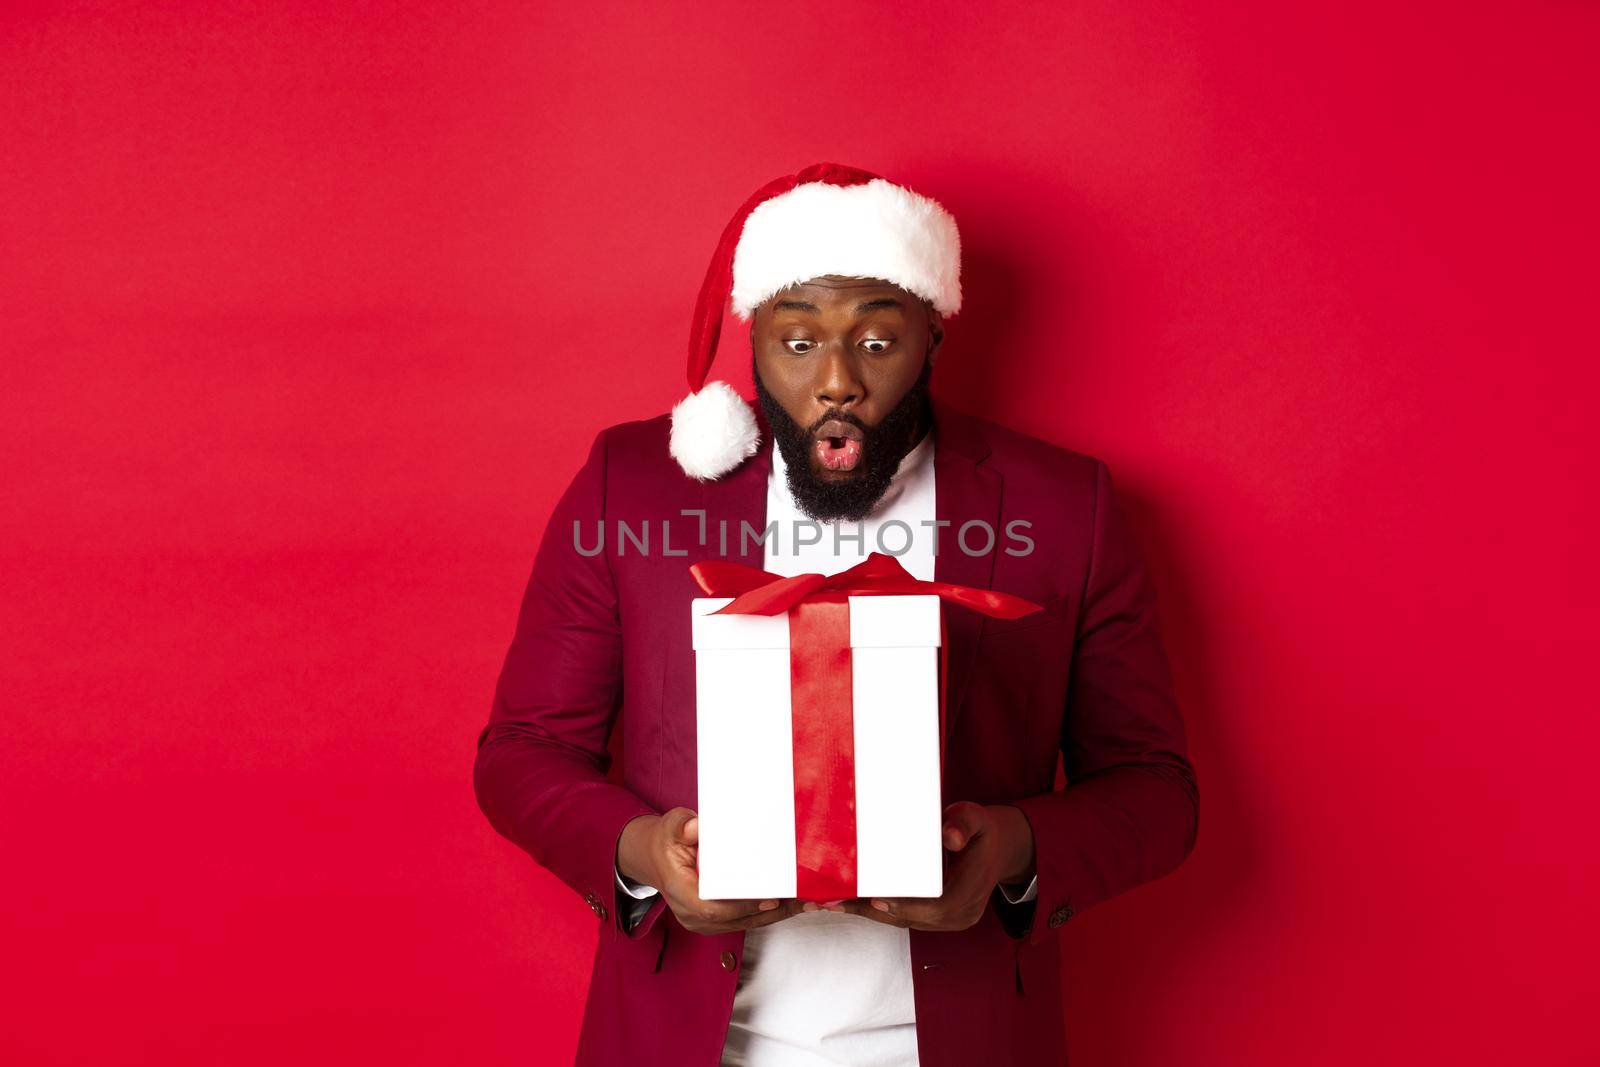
x=737, y=911
x=747, y=907
x=672, y=822
x=898, y=911
x=918, y=912
x=778, y=914
x=821, y=905
x=683, y=862
x=689, y=832
x=965, y=878
x=722, y=924
x=865, y=909
x=963, y=821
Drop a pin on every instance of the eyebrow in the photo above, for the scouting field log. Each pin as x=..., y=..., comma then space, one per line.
x=864, y=306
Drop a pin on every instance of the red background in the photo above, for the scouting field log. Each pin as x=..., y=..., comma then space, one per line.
x=307, y=316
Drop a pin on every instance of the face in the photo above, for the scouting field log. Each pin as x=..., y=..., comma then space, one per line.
x=841, y=371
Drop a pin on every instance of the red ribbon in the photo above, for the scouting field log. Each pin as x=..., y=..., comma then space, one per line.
x=759, y=592
x=820, y=681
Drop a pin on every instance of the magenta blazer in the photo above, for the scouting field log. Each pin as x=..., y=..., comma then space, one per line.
x=604, y=638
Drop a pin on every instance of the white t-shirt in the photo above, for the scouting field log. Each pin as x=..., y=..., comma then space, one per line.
x=822, y=988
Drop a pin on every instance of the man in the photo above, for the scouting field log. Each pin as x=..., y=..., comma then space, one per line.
x=847, y=280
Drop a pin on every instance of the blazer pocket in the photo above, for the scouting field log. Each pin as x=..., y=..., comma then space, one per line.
x=640, y=954
x=1054, y=613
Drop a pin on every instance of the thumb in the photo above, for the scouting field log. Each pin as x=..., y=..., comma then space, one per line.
x=962, y=822
x=681, y=825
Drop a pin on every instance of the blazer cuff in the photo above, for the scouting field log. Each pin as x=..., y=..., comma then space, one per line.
x=621, y=808
x=1103, y=836
x=635, y=906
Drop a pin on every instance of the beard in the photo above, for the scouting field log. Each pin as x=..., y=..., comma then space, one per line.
x=883, y=447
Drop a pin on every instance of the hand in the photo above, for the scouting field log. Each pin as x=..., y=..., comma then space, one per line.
x=991, y=844
x=663, y=851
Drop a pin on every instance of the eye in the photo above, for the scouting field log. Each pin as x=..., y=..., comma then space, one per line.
x=803, y=344
x=877, y=344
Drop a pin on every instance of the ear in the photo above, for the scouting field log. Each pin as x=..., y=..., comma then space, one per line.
x=935, y=334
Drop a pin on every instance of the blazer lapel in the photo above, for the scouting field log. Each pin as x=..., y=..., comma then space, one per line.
x=964, y=491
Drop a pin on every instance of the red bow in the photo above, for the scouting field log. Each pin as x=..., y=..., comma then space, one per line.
x=759, y=592
x=820, y=691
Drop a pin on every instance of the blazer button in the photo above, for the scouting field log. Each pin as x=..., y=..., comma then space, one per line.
x=600, y=910
x=1060, y=915
x=728, y=962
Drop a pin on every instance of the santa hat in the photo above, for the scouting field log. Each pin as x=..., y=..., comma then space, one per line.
x=827, y=219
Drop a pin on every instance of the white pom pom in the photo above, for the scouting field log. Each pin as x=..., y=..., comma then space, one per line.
x=713, y=431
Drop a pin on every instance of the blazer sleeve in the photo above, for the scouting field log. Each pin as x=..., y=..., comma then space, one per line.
x=541, y=762
x=1129, y=812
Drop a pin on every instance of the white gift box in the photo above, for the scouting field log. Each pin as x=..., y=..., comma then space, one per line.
x=745, y=747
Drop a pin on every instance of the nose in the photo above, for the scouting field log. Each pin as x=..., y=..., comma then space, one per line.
x=838, y=382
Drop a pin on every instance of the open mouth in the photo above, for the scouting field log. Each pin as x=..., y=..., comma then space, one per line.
x=838, y=445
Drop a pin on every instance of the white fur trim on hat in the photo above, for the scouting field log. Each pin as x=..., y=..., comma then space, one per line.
x=713, y=431
x=872, y=230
